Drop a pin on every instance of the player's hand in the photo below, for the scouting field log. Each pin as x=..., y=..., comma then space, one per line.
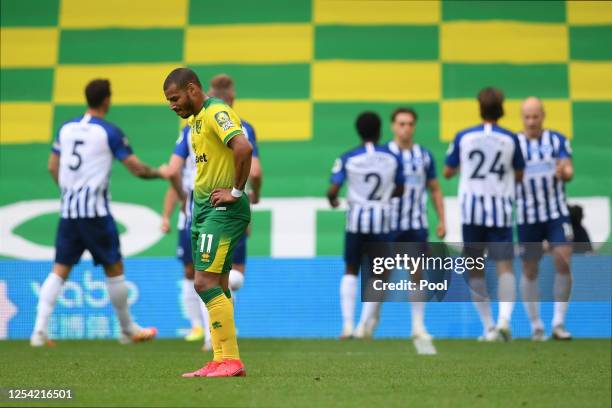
x=222, y=196
x=560, y=170
x=164, y=171
x=441, y=230
x=334, y=202
x=165, y=225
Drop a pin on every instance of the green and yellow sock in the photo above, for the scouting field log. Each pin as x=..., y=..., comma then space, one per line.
x=222, y=328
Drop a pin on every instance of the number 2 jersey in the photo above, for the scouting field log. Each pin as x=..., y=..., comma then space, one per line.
x=371, y=173
x=86, y=147
x=488, y=156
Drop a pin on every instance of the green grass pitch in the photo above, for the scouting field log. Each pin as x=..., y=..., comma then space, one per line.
x=292, y=373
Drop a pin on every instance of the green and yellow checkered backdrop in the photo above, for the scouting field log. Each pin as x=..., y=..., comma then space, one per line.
x=303, y=70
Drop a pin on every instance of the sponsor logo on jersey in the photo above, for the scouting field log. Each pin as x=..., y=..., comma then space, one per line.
x=224, y=120
x=201, y=158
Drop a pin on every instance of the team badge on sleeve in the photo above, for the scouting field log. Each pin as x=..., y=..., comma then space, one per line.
x=224, y=120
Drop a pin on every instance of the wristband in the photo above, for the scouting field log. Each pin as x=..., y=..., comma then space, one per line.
x=236, y=193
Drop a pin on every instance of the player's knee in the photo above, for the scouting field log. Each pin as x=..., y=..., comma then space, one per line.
x=114, y=270
x=236, y=279
x=206, y=280
x=351, y=270
x=63, y=271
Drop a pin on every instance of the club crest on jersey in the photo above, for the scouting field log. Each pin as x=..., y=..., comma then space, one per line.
x=224, y=120
x=198, y=125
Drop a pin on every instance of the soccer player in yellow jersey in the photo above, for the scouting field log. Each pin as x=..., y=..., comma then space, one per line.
x=221, y=210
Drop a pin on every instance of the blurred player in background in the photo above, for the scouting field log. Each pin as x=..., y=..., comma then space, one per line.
x=490, y=161
x=221, y=211
x=373, y=175
x=222, y=87
x=80, y=162
x=182, y=175
x=409, y=212
x=542, y=214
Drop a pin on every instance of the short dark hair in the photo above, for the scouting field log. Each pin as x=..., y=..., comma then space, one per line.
x=368, y=125
x=221, y=82
x=404, y=110
x=181, y=77
x=491, y=103
x=96, y=91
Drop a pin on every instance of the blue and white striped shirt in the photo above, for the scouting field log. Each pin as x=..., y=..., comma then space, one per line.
x=410, y=211
x=541, y=195
x=371, y=172
x=488, y=155
x=86, y=147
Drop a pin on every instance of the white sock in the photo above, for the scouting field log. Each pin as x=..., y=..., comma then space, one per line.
x=369, y=311
x=348, y=295
x=531, y=301
x=417, y=310
x=418, y=299
x=480, y=298
x=562, y=289
x=559, y=313
x=118, y=294
x=506, y=292
x=192, y=301
x=205, y=319
x=49, y=291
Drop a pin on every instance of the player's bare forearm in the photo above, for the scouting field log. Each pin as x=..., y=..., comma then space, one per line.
x=144, y=171
x=438, y=202
x=565, y=170
x=177, y=186
x=255, y=179
x=450, y=171
x=53, y=167
x=332, y=195
x=175, y=174
x=243, y=151
x=170, y=199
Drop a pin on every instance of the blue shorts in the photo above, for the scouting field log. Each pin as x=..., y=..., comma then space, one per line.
x=555, y=232
x=497, y=240
x=98, y=235
x=240, y=252
x=418, y=236
x=354, y=243
x=183, y=250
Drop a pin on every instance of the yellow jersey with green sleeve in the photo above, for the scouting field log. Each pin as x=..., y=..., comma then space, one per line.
x=211, y=129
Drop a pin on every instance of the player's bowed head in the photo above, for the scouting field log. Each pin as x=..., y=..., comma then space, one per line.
x=183, y=90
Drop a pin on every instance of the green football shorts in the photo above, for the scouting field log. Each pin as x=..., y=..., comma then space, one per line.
x=215, y=232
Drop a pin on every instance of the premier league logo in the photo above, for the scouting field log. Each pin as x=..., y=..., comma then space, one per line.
x=198, y=126
x=224, y=120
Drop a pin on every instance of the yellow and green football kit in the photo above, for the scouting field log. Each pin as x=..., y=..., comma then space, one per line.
x=215, y=231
